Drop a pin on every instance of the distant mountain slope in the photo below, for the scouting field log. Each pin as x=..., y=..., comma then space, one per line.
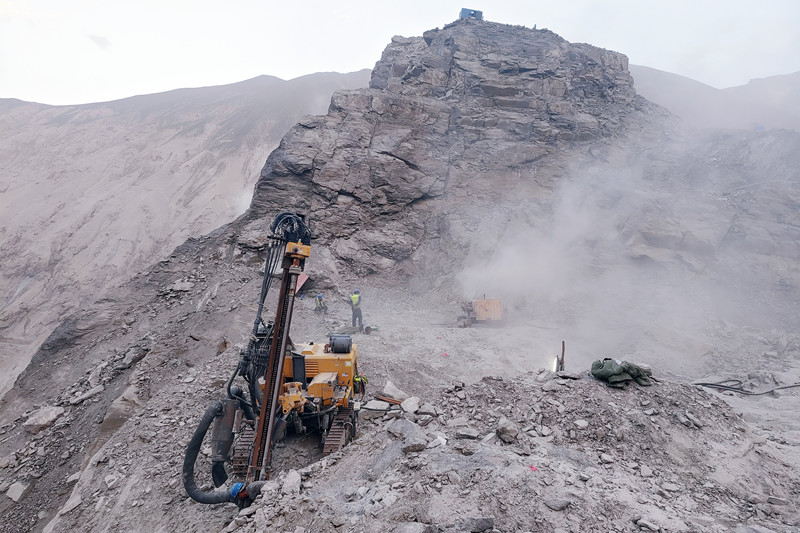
x=780, y=92
x=94, y=193
x=772, y=102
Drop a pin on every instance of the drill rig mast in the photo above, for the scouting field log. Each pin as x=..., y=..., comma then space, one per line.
x=297, y=249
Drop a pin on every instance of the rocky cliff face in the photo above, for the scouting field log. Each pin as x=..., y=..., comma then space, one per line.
x=483, y=159
x=454, y=124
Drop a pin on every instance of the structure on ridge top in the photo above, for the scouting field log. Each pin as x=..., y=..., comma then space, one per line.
x=467, y=13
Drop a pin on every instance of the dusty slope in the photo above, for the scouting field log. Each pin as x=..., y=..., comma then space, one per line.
x=575, y=456
x=633, y=459
x=92, y=194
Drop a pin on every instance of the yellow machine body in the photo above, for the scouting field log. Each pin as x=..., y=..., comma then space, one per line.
x=328, y=376
x=292, y=397
x=323, y=386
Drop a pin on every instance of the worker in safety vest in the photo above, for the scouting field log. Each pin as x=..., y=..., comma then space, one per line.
x=319, y=305
x=360, y=385
x=355, y=305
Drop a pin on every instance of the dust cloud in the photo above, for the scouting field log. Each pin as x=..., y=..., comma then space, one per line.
x=623, y=266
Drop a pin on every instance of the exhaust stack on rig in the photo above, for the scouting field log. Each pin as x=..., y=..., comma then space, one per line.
x=302, y=388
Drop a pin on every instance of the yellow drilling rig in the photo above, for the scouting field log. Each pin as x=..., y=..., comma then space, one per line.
x=287, y=387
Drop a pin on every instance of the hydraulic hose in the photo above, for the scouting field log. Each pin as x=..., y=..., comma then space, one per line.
x=235, y=494
x=231, y=393
x=255, y=393
x=192, y=449
x=237, y=393
x=379, y=410
x=736, y=385
x=319, y=413
x=246, y=408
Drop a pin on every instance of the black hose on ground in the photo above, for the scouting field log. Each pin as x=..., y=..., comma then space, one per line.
x=192, y=450
x=236, y=494
x=736, y=385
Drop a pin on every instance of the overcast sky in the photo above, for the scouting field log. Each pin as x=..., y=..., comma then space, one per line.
x=79, y=51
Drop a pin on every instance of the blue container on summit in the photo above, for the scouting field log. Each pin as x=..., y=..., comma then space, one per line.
x=470, y=14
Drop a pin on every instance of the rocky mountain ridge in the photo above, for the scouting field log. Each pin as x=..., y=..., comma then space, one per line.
x=442, y=112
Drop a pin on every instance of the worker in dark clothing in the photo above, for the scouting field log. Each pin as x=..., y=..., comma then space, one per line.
x=355, y=305
x=319, y=305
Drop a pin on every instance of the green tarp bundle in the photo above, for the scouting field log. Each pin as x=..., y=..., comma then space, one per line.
x=618, y=373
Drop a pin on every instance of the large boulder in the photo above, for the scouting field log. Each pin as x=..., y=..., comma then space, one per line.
x=43, y=418
x=414, y=437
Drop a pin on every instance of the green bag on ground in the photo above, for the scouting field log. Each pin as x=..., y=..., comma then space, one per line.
x=618, y=373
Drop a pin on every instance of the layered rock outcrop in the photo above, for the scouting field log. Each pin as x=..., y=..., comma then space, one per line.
x=454, y=123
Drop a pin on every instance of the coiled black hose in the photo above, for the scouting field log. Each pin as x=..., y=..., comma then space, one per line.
x=192, y=449
x=234, y=494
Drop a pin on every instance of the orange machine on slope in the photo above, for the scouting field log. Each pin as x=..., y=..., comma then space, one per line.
x=480, y=311
x=305, y=387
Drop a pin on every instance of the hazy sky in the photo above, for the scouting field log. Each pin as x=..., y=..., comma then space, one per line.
x=78, y=51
